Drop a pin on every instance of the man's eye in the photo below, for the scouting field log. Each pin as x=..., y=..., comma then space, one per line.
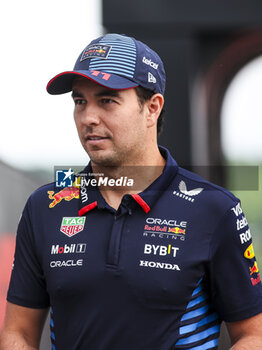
x=107, y=100
x=79, y=102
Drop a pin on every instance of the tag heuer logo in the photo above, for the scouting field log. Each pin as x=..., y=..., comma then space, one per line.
x=72, y=226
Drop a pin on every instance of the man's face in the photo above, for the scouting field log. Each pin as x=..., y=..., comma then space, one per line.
x=111, y=123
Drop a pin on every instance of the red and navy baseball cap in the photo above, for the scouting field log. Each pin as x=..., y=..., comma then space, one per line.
x=116, y=62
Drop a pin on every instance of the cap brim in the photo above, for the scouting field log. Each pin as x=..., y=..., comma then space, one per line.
x=63, y=82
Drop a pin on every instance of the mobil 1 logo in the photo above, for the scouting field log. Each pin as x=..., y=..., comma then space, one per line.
x=68, y=248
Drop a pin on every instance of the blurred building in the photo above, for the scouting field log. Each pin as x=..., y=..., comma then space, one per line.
x=203, y=45
x=15, y=188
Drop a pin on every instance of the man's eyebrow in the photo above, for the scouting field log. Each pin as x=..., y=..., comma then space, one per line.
x=108, y=93
x=102, y=93
x=76, y=93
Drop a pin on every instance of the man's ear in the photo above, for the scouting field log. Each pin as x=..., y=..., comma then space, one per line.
x=154, y=107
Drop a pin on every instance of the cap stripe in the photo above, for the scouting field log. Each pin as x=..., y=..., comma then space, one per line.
x=117, y=70
x=115, y=38
x=115, y=67
x=114, y=64
x=121, y=59
x=126, y=52
x=127, y=61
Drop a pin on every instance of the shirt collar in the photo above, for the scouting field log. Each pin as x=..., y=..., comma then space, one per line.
x=151, y=194
x=90, y=196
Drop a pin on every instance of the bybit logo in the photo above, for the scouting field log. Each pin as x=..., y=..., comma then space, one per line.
x=160, y=250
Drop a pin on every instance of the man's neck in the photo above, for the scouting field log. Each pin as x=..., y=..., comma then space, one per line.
x=128, y=179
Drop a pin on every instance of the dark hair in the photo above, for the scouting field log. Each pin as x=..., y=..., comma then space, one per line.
x=145, y=95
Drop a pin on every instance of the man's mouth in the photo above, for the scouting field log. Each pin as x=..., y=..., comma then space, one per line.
x=92, y=138
x=96, y=139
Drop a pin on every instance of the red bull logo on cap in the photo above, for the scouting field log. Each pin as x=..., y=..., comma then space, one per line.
x=101, y=51
x=96, y=51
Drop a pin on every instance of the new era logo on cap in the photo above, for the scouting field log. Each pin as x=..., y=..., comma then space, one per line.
x=129, y=62
x=151, y=78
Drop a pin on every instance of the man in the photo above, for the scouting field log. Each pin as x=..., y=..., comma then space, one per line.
x=145, y=255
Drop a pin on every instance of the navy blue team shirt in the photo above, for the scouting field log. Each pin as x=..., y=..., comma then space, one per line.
x=159, y=273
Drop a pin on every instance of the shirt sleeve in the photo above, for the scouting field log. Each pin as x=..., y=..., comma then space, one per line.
x=27, y=285
x=235, y=282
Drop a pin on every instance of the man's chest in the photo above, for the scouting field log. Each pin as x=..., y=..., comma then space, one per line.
x=157, y=257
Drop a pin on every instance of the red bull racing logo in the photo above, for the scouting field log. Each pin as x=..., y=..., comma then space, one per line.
x=67, y=194
x=100, y=51
x=96, y=51
x=256, y=281
x=254, y=272
x=249, y=252
x=176, y=230
x=165, y=228
x=254, y=269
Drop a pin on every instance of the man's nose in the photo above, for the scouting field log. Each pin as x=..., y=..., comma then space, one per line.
x=91, y=115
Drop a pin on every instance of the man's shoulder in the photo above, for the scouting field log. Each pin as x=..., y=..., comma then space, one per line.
x=194, y=186
x=51, y=189
x=42, y=191
x=40, y=195
x=49, y=195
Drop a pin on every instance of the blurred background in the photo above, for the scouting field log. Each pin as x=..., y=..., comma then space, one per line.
x=212, y=52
